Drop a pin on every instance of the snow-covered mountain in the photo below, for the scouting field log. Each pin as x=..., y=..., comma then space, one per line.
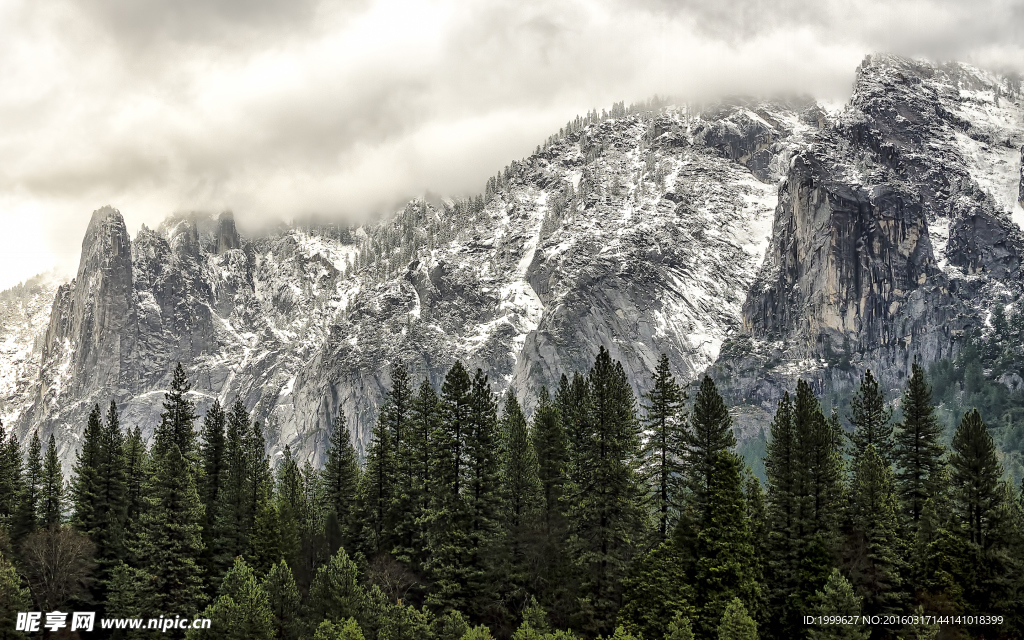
x=782, y=230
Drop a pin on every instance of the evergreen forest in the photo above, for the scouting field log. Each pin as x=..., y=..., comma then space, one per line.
x=601, y=515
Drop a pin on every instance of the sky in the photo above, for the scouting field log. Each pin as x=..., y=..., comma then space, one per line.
x=278, y=109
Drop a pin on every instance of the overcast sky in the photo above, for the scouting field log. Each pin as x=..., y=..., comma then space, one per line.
x=281, y=108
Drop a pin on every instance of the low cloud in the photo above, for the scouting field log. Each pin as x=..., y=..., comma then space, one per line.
x=282, y=108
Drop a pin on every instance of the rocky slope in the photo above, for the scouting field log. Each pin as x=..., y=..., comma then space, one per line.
x=894, y=233
x=804, y=241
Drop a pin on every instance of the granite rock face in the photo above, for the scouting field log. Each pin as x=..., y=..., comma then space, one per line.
x=892, y=237
x=763, y=240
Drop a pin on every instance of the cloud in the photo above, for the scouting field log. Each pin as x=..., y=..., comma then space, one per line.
x=280, y=108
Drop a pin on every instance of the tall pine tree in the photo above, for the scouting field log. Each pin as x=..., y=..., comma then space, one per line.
x=522, y=503
x=51, y=498
x=665, y=446
x=710, y=434
x=871, y=420
x=918, y=448
x=177, y=419
x=608, y=513
x=340, y=479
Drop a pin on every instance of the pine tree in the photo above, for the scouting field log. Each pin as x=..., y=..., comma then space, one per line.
x=397, y=414
x=607, y=511
x=837, y=599
x=243, y=608
x=292, y=508
x=335, y=594
x=340, y=480
x=549, y=441
x=379, y=490
x=482, y=490
x=266, y=540
x=112, y=490
x=177, y=419
x=211, y=454
x=283, y=596
x=410, y=531
x=710, y=434
x=447, y=519
x=918, y=448
x=804, y=470
x=51, y=498
x=171, y=542
x=726, y=565
x=979, y=511
x=875, y=550
x=235, y=513
x=657, y=589
x=522, y=500
x=871, y=420
x=136, y=459
x=679, y=629
x=10, y=478
x=665, y=423
x=85, y=486
x=736, y=623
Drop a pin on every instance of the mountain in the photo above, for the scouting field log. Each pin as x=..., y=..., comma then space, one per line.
x=763, y=239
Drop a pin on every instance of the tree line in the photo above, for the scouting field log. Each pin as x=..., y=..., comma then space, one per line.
x=599, y=517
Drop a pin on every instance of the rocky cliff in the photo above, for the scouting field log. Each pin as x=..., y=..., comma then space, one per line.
x=767, y=240
x=893, y=235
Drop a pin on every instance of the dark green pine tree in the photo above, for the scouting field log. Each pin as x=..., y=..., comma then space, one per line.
x=726, y=565
x=753, y=493
x=550, y=443
x=780, y=463
x=657, y=590
x=447, y=519
x=10, y=478
x=414, y=499
x=482, y=491
x=665, y=446
x=85, y=486
x=136, y=458
x=874, y=552
x=736, y=623
x=522, y=502
x=335, y=594
x=376, y=491
x=710, y=434
x=284, y=598
x=257, y=463
x=918, y=447
x=398, y=413
x=837, y=598
x=340, y=479
x=242, y=612
x=211, y=455
x=608, y=514
x=171, y=540
x=177, y=420
x=805, y=494
x=871, y=420
x=27, y=518
x=110, y=511
x=51, y=498
x=819, y=481
x=232, y=512
x=979, y=512
x=291, y=507
x=266, y=540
